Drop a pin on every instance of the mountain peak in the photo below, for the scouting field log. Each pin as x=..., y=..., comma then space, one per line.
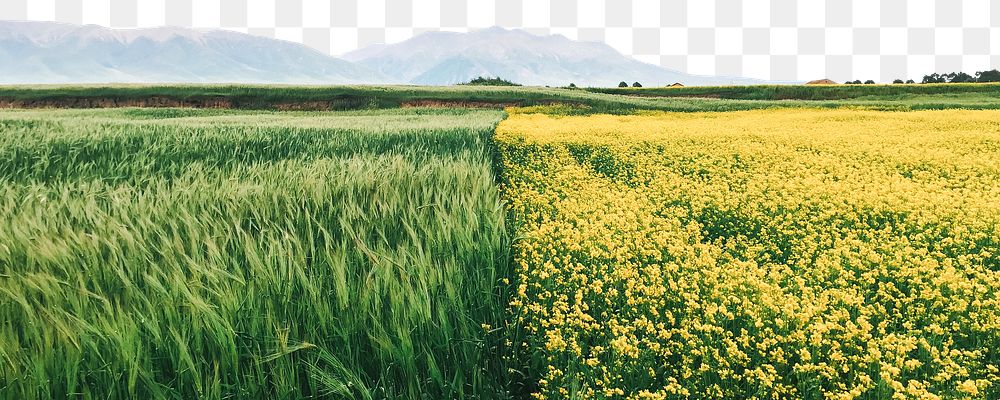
x=47, y=32
x=52, y=52
x=439, y=58
x=49, y=52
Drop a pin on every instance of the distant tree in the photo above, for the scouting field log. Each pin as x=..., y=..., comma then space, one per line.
x=988, y=76
x=897, y=81
x=636, y=84
x=572, y=85
x=856, y=82
x=961, y=77
x=910, y=81
x=622, y=84
x=935, y=78
x=869, y=82
x=487, y=81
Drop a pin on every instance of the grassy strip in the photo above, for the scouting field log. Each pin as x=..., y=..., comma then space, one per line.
x=590, y=101
x=812, y=92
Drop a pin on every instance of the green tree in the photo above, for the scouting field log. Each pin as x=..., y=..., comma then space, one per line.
x=988, y=76
x=488, y=81
x=636, y=84
x=961, y=77
x=934, y=78
x=622, y=84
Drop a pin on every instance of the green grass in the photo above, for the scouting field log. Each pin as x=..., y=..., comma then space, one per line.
x=813, y=92
x=594, y=100
x=218, y=254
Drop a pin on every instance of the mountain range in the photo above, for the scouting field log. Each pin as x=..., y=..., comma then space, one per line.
x=441, y=58
x=45, y=52
x=50, y=52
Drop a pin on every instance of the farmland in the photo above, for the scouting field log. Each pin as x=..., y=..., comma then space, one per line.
x=185, y=253
x=811, y=92
x=582, y=101
x=764, y=254
x=500, y=242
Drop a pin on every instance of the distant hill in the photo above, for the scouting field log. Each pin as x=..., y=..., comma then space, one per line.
x=444, y=58
x=485, y=81
x=48, y=52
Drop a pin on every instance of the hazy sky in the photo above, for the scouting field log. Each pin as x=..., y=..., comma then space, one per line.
x=769, y=39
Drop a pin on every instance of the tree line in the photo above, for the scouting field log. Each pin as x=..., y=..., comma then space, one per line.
x=962, y=77
x=953, y=77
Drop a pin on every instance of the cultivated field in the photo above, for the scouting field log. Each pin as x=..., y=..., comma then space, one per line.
x=219, y=254
x=691, y=243
x=580, y=101
x=764, y=254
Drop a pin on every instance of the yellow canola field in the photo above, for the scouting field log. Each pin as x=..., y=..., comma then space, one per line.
x=817, y=254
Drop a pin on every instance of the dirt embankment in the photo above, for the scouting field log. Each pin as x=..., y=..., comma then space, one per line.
x=305, y=106
x=99, y=102
x=164, y=102
x=668, y=95
x=224, y=102
x=458, y=104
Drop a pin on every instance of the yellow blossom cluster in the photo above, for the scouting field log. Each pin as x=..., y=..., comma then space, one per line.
x=768, y=254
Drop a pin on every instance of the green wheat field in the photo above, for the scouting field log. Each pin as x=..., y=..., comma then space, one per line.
x=184, y=254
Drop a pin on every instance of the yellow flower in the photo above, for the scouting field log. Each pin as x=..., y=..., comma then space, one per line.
x=768, y=253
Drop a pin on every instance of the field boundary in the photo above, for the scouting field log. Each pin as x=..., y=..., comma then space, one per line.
x=581, y=101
